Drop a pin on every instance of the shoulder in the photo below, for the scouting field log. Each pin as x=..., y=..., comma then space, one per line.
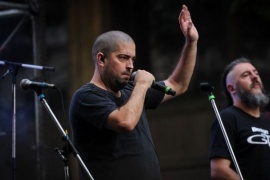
x=229, y=111
x=232, y=115
x=233, y=111
x=88, y=90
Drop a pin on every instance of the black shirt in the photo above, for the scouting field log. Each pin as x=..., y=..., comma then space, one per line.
x=250, y=140
x=108, y=154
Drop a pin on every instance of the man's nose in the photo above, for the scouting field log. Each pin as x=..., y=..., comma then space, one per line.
x=130, y=64
x=255, y=76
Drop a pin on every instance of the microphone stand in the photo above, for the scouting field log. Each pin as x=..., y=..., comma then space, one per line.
x=208, y=88
x=13, y=70
x=41, y=97
x=15, y=9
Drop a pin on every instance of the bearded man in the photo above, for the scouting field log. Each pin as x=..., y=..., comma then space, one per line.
x=246, y=126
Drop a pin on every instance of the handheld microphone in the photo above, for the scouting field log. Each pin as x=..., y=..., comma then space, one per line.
x=27, y=84
x=158, y=86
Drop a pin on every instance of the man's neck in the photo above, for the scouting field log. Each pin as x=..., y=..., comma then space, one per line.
x=101, y=85
x=255, y=112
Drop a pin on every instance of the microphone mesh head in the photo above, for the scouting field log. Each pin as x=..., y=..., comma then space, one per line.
x=24, y=84
x=132, y=77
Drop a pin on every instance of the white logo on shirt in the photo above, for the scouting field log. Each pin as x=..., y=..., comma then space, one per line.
x=263, y=138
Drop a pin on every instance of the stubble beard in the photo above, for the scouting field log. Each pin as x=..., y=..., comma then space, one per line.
x=113, y=81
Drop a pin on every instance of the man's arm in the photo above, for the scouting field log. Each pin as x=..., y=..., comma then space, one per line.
x=220, y=170
x=127, y=117
x=180, y=78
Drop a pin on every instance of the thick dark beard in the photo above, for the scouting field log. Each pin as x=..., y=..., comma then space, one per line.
x=252, y=100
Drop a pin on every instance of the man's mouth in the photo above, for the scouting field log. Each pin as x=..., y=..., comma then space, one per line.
x=256, y=84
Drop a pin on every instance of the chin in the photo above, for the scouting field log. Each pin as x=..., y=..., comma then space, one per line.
x=122, y=84
x=125, y=81
x=257, y=91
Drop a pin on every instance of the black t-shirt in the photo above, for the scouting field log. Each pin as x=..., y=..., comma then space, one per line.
x=107, y=154
x=250, y=140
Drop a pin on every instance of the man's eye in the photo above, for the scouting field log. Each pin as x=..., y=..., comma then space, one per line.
x=123, y=57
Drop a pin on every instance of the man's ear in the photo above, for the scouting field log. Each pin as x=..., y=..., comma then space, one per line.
x=100, y=57
x=230, y=88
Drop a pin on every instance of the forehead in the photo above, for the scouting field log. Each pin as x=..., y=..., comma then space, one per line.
x=239, y=69
x=127, y=48
x=243, y=67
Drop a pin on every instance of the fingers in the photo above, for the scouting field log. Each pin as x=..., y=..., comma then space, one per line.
x=186, y=24
x=185, y=19
x=185, y=14
x=144, y=77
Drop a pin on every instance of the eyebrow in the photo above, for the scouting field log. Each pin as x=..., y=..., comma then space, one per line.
x=133, y=57
x=253, y=70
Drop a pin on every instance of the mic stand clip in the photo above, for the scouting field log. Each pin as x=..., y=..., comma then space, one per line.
x=63, y=154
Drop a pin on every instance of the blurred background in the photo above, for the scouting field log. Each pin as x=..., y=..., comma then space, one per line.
x=60, y=33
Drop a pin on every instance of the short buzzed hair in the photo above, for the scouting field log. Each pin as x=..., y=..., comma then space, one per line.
x=224, y=75
x=108, y=42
